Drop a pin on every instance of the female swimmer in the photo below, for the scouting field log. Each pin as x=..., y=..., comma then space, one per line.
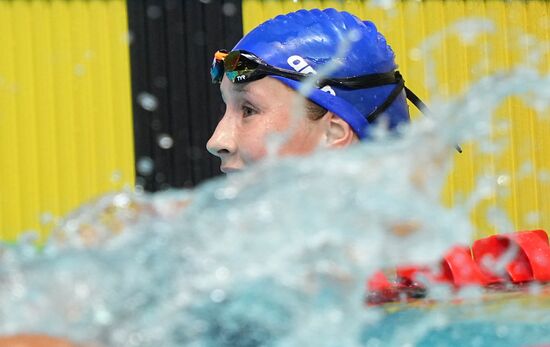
x=262, y=75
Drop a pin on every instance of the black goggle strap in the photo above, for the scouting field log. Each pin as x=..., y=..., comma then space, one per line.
x=423, y=108
x=365, y=81
x=284, y=73
x=410, y=95
x=394, y=93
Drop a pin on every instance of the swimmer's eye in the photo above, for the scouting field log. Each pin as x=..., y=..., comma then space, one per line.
x=248, y=111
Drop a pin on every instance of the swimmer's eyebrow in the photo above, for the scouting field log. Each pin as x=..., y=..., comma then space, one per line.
x=239, y=88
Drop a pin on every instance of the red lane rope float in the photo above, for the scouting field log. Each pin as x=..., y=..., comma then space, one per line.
x=529, y=255
x=516, y=258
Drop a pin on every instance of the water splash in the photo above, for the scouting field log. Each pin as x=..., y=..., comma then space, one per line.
x=276, y=255
x=148, y=101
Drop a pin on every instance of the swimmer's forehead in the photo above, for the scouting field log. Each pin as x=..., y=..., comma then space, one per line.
x=240, y=87
x=263, y=88
x=227, y=88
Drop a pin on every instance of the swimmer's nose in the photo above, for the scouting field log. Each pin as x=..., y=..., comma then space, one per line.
x=223, y=142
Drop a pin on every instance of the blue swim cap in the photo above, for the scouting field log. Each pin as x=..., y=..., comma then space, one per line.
x=306, y=40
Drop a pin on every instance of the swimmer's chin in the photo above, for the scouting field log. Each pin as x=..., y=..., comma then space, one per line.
x=229, y=170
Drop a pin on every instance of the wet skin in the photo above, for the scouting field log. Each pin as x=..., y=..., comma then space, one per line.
x=254, y=111
x=33, y=341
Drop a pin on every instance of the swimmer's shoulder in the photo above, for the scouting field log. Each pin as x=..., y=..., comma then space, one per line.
x=31, y=340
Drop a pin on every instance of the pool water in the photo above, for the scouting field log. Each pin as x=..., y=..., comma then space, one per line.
x=517, y=318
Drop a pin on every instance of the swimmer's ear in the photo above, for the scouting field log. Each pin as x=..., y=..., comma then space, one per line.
x=338, y=133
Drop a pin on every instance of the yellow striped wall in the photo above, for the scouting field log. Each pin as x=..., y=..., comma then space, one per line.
x=65, y=108
x=520, y=28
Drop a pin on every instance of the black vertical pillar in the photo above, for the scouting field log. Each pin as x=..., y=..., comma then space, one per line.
x=175, y=106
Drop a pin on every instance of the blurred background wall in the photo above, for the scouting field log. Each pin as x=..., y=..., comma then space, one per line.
x=100, y=95
x=65, y=111
x=173, y=47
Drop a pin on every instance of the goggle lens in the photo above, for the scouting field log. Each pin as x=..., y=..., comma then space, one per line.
x=216, y=72
x=231, y=61
x=232, y=75
x=237, y=67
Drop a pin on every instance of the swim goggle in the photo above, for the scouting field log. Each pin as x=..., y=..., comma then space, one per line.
x=241, y=66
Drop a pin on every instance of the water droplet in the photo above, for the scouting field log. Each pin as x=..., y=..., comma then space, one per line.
x=18, y=290
x=532, y=217
x=145, y=166
x=164, y=186
x=154, y=12
x=527, y=40
x=415, y=54
x=229, y=9
x=156, y=124
x=116, y=176
x=541, y=105
x=46, y=218
x=165, y=141
x=226, y=193
x=544, y=175
x=147, y=101
x=503, y=180
x=141, y=182
x=121, y=200
x=160, y=177
x=102, y=316
x=217, y=295
x=384, y=4
x=79, y=70
x=526, y=169
x=89, y=54
x=354, y=35
x=199, y=38
x=196, y=153
x=127, y=38
x=160, y=82
x=502, y=126
x=222, y=273
x=81, y=290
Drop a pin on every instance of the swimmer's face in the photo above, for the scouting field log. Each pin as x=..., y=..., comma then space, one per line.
x=254, y=111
